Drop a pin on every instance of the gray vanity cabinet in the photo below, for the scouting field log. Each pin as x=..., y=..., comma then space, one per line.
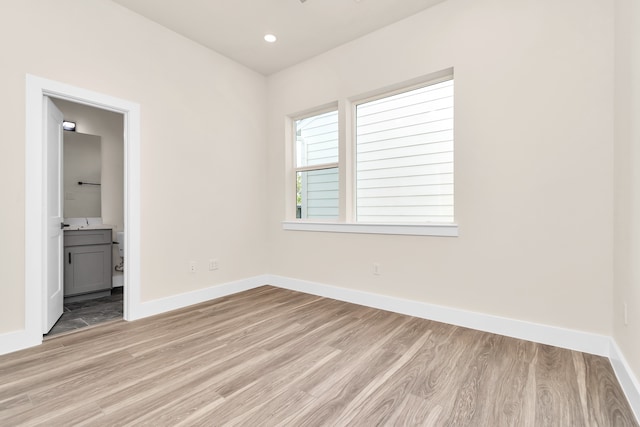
x=87, y=261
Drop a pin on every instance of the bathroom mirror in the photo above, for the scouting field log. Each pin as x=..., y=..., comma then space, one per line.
x=82, y=175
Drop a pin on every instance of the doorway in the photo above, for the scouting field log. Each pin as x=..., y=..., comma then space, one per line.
x=38, y=89
x=92, y=196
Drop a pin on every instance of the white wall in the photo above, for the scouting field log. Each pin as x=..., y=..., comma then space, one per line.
x=534, y=155
x=202, y=140
x=627, y=181
x=533, y=161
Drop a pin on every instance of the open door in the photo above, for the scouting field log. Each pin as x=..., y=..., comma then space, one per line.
x=53, y=280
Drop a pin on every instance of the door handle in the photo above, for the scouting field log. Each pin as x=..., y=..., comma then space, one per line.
x=63, y=225
x=69, y=257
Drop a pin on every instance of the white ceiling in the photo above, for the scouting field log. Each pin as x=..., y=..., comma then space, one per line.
x=235, y=28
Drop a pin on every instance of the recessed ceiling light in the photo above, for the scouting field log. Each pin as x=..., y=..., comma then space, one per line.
x=270, y=38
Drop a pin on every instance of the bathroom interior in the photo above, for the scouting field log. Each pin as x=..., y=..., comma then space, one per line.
x=93, y=193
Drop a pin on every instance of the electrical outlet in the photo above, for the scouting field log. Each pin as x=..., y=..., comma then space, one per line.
x=213, y=264
x=626, y=314
x=192, y=267
x=376, y=269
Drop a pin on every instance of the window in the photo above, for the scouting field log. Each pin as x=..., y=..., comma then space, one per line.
x=404, y=157
x=399, y=177
x=317, y=166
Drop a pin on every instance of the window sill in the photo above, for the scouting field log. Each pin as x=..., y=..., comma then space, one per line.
x=442, y=230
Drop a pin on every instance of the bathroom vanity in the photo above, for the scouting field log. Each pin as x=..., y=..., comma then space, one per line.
x=87, y=261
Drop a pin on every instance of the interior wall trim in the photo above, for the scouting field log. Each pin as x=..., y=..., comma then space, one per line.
x=570, y=339
x=629, y=383
x=174, y=302
x=17, y=340
x=22, y=339
x=586, y=342
x=544, y=334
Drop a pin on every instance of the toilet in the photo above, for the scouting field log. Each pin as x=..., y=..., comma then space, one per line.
x=117, y=280
x=120, y=240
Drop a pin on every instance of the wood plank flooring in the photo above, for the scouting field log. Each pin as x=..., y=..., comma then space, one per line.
x=274, y=357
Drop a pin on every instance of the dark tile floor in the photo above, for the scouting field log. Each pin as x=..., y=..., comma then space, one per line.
x=81, y=314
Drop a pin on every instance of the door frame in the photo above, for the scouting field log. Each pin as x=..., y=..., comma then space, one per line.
x=35, y=196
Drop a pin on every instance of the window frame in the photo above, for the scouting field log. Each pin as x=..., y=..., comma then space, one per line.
x=311, y=168
x=354, y=142
x=346, y=222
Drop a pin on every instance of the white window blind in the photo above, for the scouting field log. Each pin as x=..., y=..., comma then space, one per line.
x=317, y=166
x=404, y=157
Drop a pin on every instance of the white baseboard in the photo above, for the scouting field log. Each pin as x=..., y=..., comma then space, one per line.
x=629, y=383
x=17, y=340
x=560, y=337
x=162, y=305
x=20, y=340
x=544, y=334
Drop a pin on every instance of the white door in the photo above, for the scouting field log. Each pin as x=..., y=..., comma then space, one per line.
x=53, y=280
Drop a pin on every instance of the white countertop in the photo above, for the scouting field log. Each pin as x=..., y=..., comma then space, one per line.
x=89, y=227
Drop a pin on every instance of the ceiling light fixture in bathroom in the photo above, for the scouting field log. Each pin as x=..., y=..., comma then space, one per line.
x=70, y=126
x=270, y=38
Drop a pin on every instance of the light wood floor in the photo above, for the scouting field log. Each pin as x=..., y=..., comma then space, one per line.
x=276, y=357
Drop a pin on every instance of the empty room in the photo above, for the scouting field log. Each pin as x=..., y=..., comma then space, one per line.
x=320, y=212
